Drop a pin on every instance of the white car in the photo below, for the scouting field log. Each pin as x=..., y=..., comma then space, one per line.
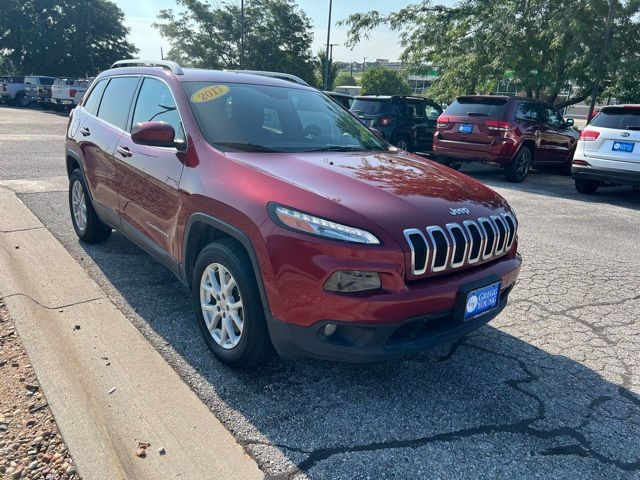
x=608, y=150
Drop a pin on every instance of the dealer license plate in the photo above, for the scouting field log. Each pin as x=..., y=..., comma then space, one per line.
x=480, y=300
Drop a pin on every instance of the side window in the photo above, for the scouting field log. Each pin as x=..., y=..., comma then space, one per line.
x=415, y=109
x=528, y=112
x=156, y=104
x=433, y=112
x=116, y=101
x=553, y=118
x=92, y=102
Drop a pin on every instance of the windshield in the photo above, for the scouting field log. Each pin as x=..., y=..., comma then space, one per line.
x=623, y=118
x=477, y=106
x=260, y=118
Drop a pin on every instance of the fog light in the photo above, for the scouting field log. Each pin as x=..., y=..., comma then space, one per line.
x=330, y=329
x=345, y=281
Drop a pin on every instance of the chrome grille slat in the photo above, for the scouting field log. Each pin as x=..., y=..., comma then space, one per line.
x=451, y=227
x=432, y=231
x=457, y=244
x=408, y=234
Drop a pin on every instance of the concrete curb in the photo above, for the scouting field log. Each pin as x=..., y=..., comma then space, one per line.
x=81, y=347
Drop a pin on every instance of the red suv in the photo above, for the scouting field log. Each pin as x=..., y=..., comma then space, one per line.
x=292, y=224
x=510, y=132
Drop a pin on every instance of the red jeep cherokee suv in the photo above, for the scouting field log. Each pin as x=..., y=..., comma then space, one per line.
x=292, y=224
x=510, y=132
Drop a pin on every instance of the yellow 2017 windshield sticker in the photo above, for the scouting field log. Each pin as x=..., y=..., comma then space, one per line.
x=207, y=94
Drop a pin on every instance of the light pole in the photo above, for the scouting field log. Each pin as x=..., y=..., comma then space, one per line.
x=600, y=66
x=241, y=34
x=326, y=63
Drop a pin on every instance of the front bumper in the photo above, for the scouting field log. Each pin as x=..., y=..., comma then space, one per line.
x=607, y=175
x=371, y=341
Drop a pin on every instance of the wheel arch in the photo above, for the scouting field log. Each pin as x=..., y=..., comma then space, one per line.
x=530, y=144
x=203, y=229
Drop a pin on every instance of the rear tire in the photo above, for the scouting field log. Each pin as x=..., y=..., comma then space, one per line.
x=22, y=100
x=229, y=264
x=86, y=223
x=588, y=187
x=519, y=167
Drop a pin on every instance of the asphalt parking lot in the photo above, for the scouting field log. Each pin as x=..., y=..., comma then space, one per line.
x=550, y=389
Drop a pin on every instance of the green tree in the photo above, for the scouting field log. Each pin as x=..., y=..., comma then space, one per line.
x=384, y=81
x=319, y=64
x=544, y=43
x=345, y=78
x=277, y=36
x=62, y=37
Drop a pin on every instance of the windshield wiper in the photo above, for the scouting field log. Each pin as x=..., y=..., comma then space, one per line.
x=633, y=127
x=336, y=148
x=476, y=114
x=247, y=147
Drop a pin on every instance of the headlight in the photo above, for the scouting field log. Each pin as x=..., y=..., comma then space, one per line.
x=306, y=223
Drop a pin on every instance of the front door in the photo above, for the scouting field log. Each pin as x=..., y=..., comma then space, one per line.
x=556, y=140
x=149, y=177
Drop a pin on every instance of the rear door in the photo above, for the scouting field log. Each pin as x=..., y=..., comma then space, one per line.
x=417, y=123
x=557, y=140
x=619, y=136
x=104, y=122
x=468, y=120
x=148, y=177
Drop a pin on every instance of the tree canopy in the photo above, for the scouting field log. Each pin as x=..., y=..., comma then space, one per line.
x=61, y=37
x=277, y=36
x=542, y=44
x=384, y=81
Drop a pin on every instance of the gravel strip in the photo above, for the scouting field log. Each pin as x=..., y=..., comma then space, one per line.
x=31, y=446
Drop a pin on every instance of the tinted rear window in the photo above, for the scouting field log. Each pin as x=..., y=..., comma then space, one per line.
x=92, y=102
x=116, y=101
x=371, y=107
x=474, y=106
x=46, y=80
x=618, y=117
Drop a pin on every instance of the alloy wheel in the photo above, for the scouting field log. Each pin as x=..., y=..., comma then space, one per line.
x=524, y=163
x=403, y=145
x=221, y=304
x=79, y=206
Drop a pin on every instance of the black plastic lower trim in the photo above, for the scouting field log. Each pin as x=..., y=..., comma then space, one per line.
x=366, y=342
x=607, y=175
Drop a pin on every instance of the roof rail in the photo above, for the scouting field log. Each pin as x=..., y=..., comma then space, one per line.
x=168, y=64
x=282, y=76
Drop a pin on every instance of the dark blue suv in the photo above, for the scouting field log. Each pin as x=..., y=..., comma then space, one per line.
x=406, y=122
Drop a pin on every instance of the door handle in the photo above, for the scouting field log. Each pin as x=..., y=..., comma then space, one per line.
x=85, y=131
x=124, y=151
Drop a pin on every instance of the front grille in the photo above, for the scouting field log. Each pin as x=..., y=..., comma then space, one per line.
x=457, y=245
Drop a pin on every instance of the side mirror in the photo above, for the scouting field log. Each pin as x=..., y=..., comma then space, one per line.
x=569, y=122
x=154, y=134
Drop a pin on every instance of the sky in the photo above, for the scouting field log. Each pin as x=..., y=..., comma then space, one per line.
x=140, y=14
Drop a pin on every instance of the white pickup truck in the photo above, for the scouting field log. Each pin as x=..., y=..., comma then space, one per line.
x=66, y=93
x=12, y=90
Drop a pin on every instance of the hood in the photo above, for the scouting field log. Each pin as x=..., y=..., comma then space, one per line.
x=394, y=190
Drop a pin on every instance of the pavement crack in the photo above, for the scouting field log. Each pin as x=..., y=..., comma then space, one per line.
x=23, y=229
x=24, y=295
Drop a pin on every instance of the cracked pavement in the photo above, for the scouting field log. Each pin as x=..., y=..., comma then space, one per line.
x=549, y=389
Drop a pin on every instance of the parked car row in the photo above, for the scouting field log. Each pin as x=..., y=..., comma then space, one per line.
x=47, y=92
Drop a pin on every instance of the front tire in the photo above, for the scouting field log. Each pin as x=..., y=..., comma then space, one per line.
x=518, y=169
x=228, y=304
x=86, y=223
x=22, y=100
x=588, y=187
